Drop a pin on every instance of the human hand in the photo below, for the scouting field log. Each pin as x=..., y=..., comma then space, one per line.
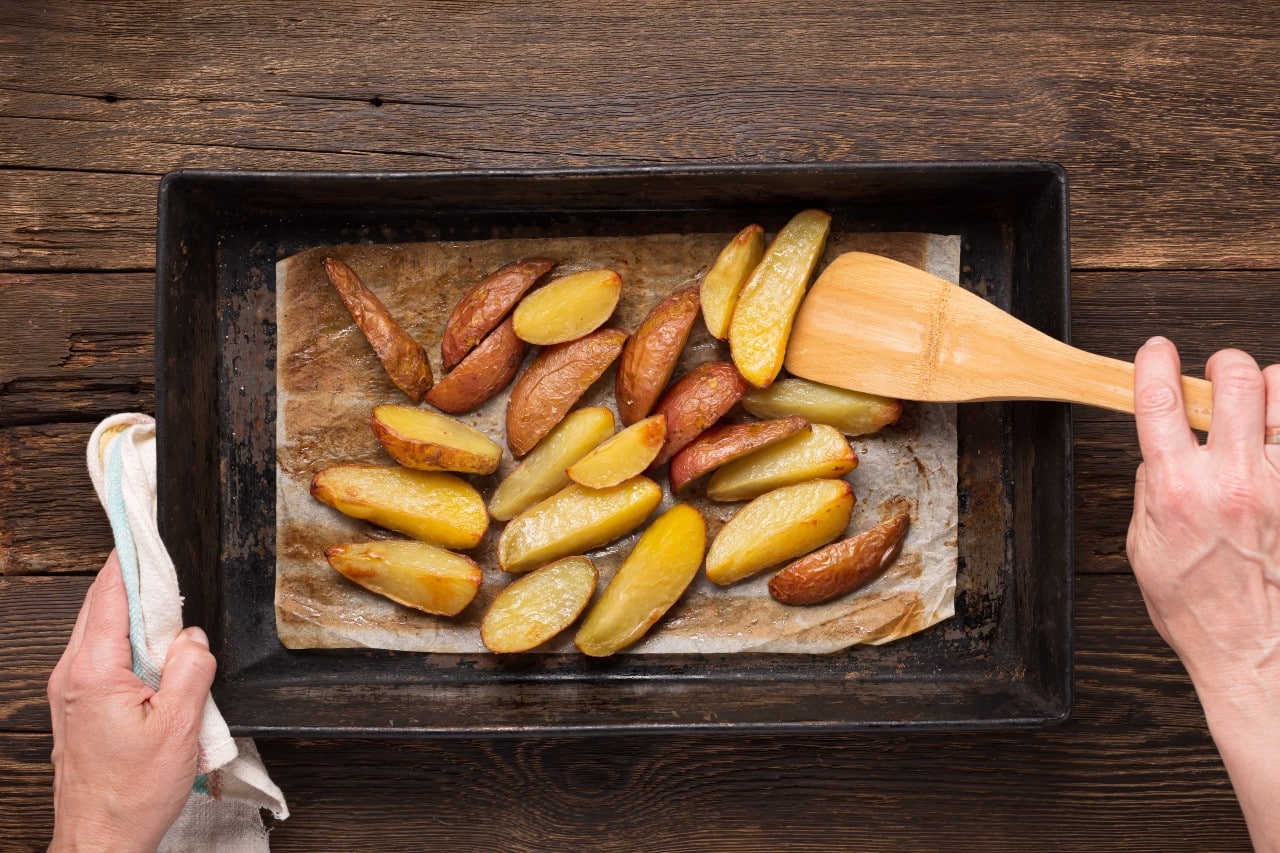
x=124, y=755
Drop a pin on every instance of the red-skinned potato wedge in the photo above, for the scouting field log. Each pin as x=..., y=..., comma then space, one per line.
x=723, y=444
x=414, y=574
x=819, y=452
x=842, y=567
x=652, y=578
x=568, y=308
x=417, y=438
x=484, y=372
x=623, y=456
x=557, y=379
x=851, y=412
x=536, y=607
x=696, y=401
x=404, y=359
x=724, y=281
x=767, y=305
x=650, y=356
x=486, y=305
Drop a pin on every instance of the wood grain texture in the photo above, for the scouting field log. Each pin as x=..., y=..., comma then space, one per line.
x=1162, y=113
x=36, y=617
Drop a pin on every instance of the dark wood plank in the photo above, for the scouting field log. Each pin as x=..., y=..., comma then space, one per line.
x=1162, y=113
x=36, y=617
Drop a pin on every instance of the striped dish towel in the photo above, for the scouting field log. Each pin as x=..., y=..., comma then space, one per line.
x=232, y=785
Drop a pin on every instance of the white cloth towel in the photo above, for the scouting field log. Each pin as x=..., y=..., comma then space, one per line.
x=222, y=813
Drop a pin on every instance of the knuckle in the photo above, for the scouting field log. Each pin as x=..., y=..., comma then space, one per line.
x=1239, y=379
x=1156, y=400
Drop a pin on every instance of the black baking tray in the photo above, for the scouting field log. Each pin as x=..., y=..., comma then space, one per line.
x=1005, y=660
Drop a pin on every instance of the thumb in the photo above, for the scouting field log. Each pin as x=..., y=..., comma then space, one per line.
x=184, y=684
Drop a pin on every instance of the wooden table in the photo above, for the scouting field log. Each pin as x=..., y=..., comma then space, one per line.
x=1163, y=114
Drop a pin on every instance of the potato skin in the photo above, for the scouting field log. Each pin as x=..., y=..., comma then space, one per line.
x=557, y=379
x=404, y=359
x=486, y=304
x=650, y=357
x=842, y=567
x=696, y=401
x=723, y=444
x=484, y=372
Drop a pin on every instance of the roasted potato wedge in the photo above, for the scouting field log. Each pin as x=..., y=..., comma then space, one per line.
x=427, y=505
x=778, y=526
x=573, y=520
x=819, y=452
x=404, y=359
x=536, y=607
x=623, y=456
x=724, y=281
x=484, y=372
x=842, y=567
x=568, y=308
x=415, y=574
x=652, y=578
x=696, y=401
x=486, y=305
x=767, y=305
x=722, y=444
x=556, y=379
x=542, y=473
x=851, y=412
x=417, y=438
x=650, y=356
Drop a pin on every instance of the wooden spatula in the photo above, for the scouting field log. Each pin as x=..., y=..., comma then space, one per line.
x=873, y=324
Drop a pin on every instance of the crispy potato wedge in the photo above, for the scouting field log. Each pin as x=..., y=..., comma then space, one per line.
x=417, y=438
x=414, y=574
x=486, y=305
x=428, y=505
x=404, y=359
x=623, y=456
x=722, y=444
x=696, y=401
x=542, y=473
x=536, y=607
x=767, y=305
x=819, y=452
x=652, y=578
x=851, y=412
x=484, y=372
x=573, y=520
x=778, y=526
x=724, y=281
x=842, y=567
x=556, y=379
x=650, y=356
x=568, y=308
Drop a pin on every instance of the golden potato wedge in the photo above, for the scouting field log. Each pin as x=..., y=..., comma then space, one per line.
x=621, y=457
x=415, y=574
x=652, y=578
x=723, y=444
x=568, y=308
x=542, y=473
x=417, y=438
x=556, y=379
x=539, y=605
x=428, y=505
x=724, y=281
x=484, y=372
x=778, y=526
x=696, y=401
x=574, y=520
x=819, y=452
x=402, y=357
x=767, y=305
x=841, y=567
x=851, y=412
x=486, y=305
x=650, y=356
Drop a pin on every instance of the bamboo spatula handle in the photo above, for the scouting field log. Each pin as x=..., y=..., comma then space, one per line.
x=1108, y=382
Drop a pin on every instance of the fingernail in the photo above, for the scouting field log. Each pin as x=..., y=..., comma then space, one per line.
x=196, y=635
x=1158, y=339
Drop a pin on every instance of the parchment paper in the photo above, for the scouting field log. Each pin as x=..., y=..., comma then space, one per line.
x=328, y=379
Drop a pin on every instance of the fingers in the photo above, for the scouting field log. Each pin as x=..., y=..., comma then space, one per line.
x=105, y=635
x=1163, y=433
x=1271, y=378
x=1139, y=495
x=1239, y=405
x=188, y=674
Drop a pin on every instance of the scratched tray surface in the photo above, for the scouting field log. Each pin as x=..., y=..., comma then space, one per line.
x=1003, y=660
